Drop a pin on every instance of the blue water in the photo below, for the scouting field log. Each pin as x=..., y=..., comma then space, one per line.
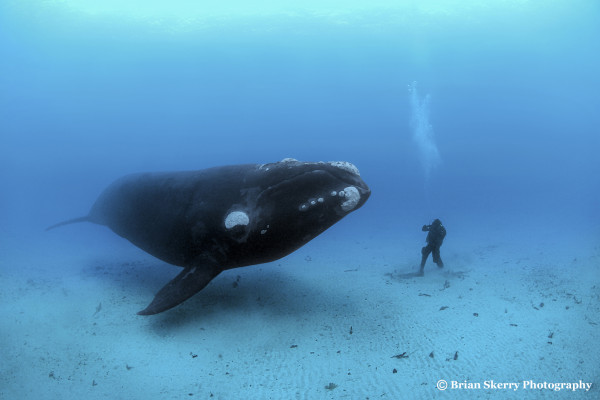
x=512, y=90
x=483, y=114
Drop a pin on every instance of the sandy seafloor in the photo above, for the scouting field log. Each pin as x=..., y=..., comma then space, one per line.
x=324, y=322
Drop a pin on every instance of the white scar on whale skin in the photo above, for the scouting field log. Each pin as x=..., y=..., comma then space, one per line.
x=236, y=218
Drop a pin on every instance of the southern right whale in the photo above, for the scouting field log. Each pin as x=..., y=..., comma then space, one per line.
x=226, y=217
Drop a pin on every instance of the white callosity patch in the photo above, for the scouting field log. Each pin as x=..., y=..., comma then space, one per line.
x=346, y=166
x=236, y=218
x=312, y=202
x=352, y=197
x=266, y=167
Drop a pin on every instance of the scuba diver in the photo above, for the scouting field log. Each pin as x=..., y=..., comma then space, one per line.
x=435, y=238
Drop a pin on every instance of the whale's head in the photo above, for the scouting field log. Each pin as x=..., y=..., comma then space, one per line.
x=291, y=202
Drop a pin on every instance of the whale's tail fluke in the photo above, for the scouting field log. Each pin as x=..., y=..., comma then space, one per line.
x=70, y=221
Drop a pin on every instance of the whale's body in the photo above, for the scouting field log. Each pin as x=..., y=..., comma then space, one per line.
x=219, y=218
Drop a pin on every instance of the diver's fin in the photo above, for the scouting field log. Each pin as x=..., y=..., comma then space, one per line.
x=189, y=282
x=70, y=221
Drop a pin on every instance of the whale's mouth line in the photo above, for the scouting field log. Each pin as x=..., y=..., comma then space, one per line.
x=362, y=190
x=285, y=182
x=340, y=184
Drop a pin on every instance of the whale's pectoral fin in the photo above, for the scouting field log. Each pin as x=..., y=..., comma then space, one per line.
x=189, y=282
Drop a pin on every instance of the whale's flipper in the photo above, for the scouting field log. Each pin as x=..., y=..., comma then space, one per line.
x=70, y=221
x=189, y=282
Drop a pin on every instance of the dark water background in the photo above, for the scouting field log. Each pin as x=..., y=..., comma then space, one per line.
x=514, y=106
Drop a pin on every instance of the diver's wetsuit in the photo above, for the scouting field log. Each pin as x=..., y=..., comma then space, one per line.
x=435, y=238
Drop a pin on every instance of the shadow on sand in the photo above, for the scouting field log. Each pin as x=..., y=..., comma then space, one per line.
x=447, y=273
x=265, y=289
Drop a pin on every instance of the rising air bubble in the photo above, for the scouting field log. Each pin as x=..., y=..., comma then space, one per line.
x=422, y=130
